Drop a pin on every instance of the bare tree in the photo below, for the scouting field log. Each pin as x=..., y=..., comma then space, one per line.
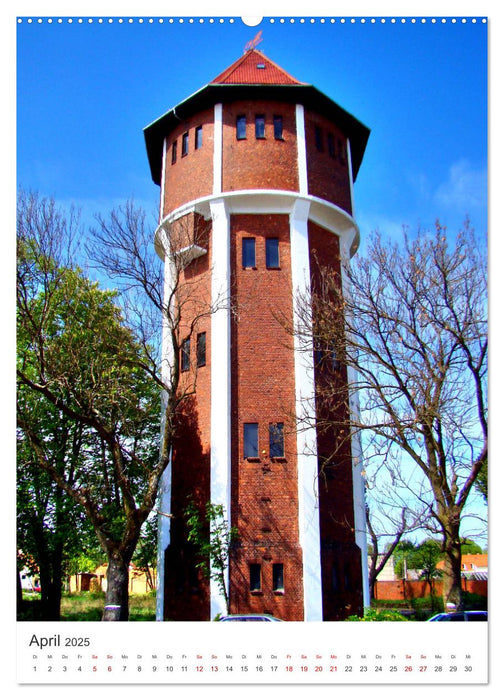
x=164, y=298
x=104, y=368
x=407, y=327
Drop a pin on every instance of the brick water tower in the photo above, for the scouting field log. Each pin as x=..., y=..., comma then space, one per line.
x=256, y=172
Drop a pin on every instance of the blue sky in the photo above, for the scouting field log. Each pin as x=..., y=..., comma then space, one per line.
x=85, y=91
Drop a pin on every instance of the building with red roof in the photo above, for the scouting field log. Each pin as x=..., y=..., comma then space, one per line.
x=257, y=169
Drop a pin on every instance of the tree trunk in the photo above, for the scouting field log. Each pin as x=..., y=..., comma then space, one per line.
x=117, y=598
x=50, y=577
x=19, y=593
x=452, y=579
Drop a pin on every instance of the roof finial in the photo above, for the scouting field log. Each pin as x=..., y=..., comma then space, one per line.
x=255, y=41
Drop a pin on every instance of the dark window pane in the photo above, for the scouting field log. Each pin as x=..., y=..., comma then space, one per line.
x=201, y=349
x=278, y=127
x=255, y=577
x=331, y=145
x=260, y=126
x=186, y=355
x=248, y=252
x=185, y=143
x=342, y=151
x=272, y=254
x=278, y=577
x=250, y=440
x=276, y=439
x=241, y=127
x=174, y=152
x=198, y=137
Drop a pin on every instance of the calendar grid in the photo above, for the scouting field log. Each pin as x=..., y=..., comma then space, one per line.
x=208, y=653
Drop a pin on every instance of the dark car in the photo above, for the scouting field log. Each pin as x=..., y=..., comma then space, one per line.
x=249, y=618
x=461, y=616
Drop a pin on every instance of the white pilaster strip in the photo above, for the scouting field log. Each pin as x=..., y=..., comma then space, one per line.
x=220, y=392
x=309, y=523
x=301, y=150
x=165, y=485
x=163, y=178
x=217, y=154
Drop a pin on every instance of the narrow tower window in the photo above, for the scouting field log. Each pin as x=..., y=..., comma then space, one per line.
x=185, y=358
x=276, y=440
x=278, y=577
x=185, y=144
x=241, y=127
x=331, y=147
x=318, y=139
x=250, y=440
x=174, y=152
x=260, y=126
x=254, y=577
x=342, y=152
x=248, y=252
x=278, y=127
x=272, y=253
x=201, y=349
x=198, y=137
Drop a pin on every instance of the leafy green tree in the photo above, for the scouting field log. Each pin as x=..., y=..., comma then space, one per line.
x=470, y=547
x=145, y=557
x=52, y=529
x=76, y=354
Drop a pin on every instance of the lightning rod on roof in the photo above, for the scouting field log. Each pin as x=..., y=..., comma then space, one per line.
x=254, y=42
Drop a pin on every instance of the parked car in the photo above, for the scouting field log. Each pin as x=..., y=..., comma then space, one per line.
x=249, y=618
x=460, y=616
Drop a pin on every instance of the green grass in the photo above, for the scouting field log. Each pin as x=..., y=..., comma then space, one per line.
x=88, y=607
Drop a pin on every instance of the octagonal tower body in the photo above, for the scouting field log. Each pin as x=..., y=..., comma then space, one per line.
x=256, y=174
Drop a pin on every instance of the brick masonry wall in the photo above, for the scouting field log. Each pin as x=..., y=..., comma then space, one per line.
x=340, y=556
x=187, y=593
x=254, y=163
x=191, y=176
x=264, y=491
x=327, y=174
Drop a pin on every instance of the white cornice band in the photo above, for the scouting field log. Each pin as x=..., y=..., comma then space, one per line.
x=324, y=213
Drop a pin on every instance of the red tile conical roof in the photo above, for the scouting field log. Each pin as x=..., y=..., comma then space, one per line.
x=254, y=68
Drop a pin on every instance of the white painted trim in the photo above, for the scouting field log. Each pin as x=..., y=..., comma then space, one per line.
x=217, y=153
x=322, y=212
x=163, y=539
x=163, y=181
x=220, y=367
x=165, y=485
x=304, y=374
x=301, y=150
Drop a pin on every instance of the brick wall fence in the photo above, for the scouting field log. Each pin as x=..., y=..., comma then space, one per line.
x=405, y=590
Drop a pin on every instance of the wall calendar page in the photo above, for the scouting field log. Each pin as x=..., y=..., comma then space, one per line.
x=252, y=351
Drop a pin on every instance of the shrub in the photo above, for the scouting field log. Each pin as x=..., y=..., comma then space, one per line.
x=372, y=615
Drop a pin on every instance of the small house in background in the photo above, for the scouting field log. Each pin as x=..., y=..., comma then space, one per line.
x=140, y=581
